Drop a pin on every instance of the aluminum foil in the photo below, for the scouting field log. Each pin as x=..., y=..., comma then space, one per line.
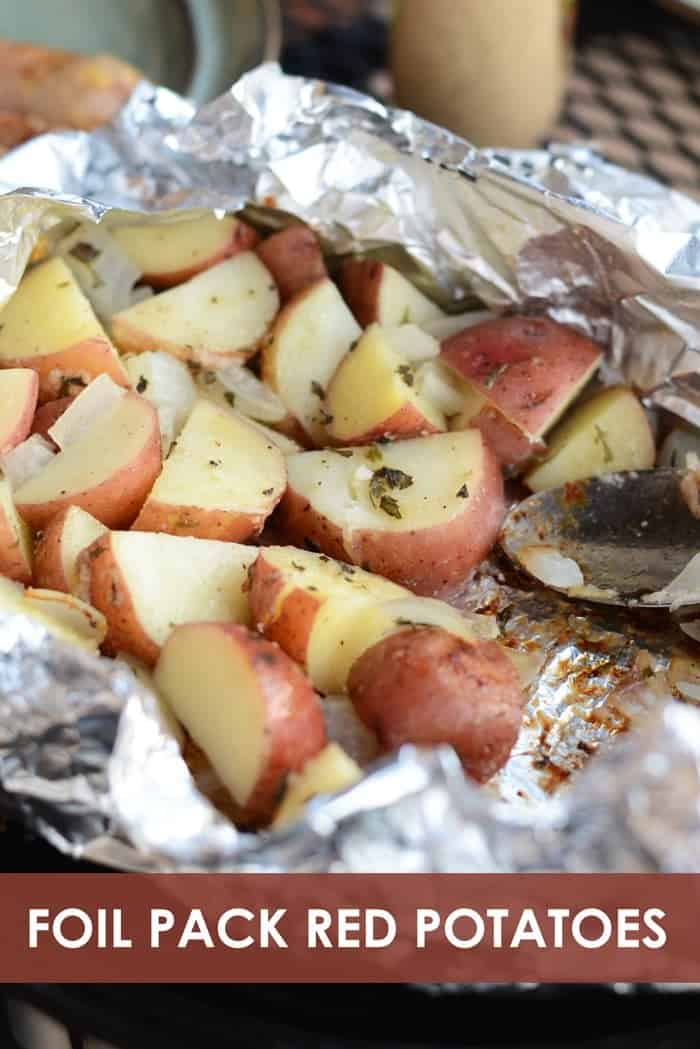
x=606, y=775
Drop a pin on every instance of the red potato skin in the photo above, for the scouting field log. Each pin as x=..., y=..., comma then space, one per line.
x=427, y=561
x=243, y=238
x=508, y=442
x=109, y=594
x=295, y=728
x=360, y=281
x=48, y=567
x=12, y=564
x=24, y=423
x=117, y=501
x=293, y=257
x=202, y=524
x=424, y=686
x=84, y=362
x=408, y=421
x=307, y=530
x=540, y=361
x=290, y=624
x=47, y=415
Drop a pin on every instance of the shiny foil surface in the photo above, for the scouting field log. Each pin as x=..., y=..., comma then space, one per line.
x=606, y=774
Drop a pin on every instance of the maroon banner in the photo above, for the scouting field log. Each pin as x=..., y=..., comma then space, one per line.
x=131, y=928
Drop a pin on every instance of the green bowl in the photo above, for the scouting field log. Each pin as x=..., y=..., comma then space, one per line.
x=196, y=47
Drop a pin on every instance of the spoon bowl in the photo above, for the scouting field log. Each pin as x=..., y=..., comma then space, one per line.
x=614, y=539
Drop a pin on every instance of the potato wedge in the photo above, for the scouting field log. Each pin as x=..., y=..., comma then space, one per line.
x=49, y=326
x=47, y=414
x=609, y=432
x=108, y=471
x=246, y=704
x=422, y=512
x=19, y=390
x=523, y=372
x=222, y=480
x=374, y=392
x=293, y=257
x=426, y=686
x=146, y=584
x=378, y=294
x=308, y=340
x=330, y=771
x=288, y=588
x=59, y=546
x=15, y=538
x=220, y=315
x=169, y=253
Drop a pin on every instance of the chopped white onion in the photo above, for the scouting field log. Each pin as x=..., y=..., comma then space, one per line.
x=26, y=460
x=412, y=343
x=92, y=403
x=435, y=381
x=681, y=449
x=250, y=396
x=551, y=567
x=105, y=273
x=166, y=382
x=444, y=327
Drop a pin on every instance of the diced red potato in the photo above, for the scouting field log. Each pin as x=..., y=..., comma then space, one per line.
x=222, y=480
x=375, y=391
x=59, y=547
x=294, y=258
x=523, y=373
x=423, y=512
x=378, y=294
x=169, y=253
x=308, y=339
x=47, y=415
x=248, y=707
x=217, y=316
x=15, y=538
x=425, y=686
x=108, y=471
x=145, y=584
x=48, y=325
x=19, y=389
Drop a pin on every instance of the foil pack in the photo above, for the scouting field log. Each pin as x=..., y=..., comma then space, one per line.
x=606, y=773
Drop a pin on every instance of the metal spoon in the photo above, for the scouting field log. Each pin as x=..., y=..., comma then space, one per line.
x=630, y=534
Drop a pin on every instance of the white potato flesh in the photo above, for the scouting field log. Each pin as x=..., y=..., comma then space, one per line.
x=177, y=579
x=344, y=629
x=79, y=530
x=300, y=569
x=93, y=403
x=308, y=342
x=108, y=444
x=220, y=462
x=439, y=467
x=214, y=692
x=14, y=599
x=608, y=433
x=402, y=303
x=48, y=312
x=330, y=771
x=170, y=247
x=221, y=312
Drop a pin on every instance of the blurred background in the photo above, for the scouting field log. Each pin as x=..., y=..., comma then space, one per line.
x=623, y=75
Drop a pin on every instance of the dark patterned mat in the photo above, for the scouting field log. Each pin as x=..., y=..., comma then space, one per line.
x=634, y=89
